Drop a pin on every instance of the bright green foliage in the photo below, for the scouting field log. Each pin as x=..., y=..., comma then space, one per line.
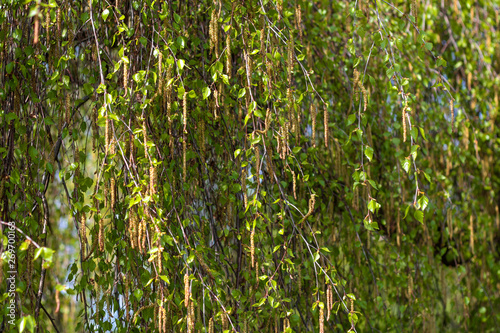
x=258, y=165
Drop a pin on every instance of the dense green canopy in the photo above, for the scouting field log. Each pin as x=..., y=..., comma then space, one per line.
x=244, y=166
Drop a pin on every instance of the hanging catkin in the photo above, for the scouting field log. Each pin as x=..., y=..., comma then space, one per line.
x=152, y=180
x=228, y=55
x=290, y=59
x=244, y=186
x=184, y=137
x=321, y=320
x=452, y=113
x=186, y=290
x=404, y=123
x=252, y=246
x=257, y=163
x=325, y=124
x=113, y=193
x=313, y=116
x=83, y=232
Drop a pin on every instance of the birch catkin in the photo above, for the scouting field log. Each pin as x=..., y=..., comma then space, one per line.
x=325, y=121
x=404, y=124
x=186, y=290
x=184, y=137
x=313, y=116
x=228, y=55
x=321, y=320
x=252, y=246
x=452, y=112
x=83, y=233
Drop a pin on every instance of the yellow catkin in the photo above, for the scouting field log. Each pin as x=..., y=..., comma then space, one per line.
x=145, y=135
x=107, y=134
x=312, y=202
x=125, y=77
x=160, y=73
x=298, y=15
x=131, y=227
x=101, y=235
x=67, y=105
x=144, y=227
x=184, y=141
x=325, y=124
x=37, y=30
x=229, y=63
x=404, y=123
x=58, y=35
x=365, y=97
x=159, y=260
x=294, y=182
x=214, y=32
x=142, y=308
x=211, y=325
x=252, y=246
x=290, y=58
x=257, y=163
x=414, y=12
x=224, y=321
x=215, y=102
x=452, y=112
x=191, y=316
x=152, y=180
x=355, y=82
x=113, y=193
x=268, y=120
x=286, y=324
x=471, y=227
x=244, y=186
x=83, y=232
x=313, y=116
x=329, y=301
x=186, y=290
x=321, y=320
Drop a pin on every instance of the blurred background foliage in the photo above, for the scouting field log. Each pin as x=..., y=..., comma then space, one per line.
x=257, y=165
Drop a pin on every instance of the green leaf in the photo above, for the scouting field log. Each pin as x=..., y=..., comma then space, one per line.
x=181, y=63
x=373, y=206
x=369, y=152
x=406, y=211
x=419, y=216
x=206, y=92
x=138, y=293
x=423, y=202
x=241, y=93
x=105, y=14
x=351, y=119
x=10, y=67
x=406, y=164
x=177, y=18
